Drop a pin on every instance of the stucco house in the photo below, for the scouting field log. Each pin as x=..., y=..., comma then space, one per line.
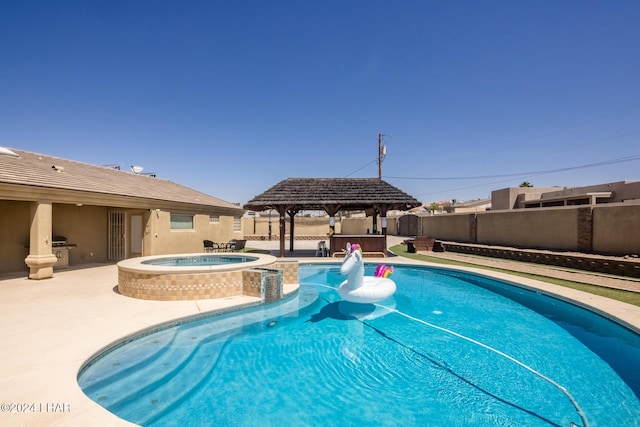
x=56, y=213
x=545, y=197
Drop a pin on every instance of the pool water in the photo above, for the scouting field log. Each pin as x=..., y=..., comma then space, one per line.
x=200, y=260
x=450, y=348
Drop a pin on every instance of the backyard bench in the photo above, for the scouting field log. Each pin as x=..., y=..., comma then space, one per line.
x=423, y=244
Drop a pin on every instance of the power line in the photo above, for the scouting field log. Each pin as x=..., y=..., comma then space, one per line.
x=580, y=123
x=359, y=169
x=531, y=173
x=525, y=175
x=574, y=125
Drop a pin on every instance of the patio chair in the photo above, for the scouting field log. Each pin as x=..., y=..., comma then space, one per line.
x=225, y=247
x=209, y=246
x=238, y=245
x=322, y=249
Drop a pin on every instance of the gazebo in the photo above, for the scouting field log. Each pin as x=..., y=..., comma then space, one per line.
x=331, y=195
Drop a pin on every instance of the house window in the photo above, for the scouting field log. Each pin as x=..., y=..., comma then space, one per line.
x=214, y=219
x=237, y=223
x=181, y=222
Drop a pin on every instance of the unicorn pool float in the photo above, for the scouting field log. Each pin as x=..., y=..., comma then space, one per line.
x=363, y=289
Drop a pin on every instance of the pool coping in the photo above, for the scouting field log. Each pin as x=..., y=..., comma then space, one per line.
x=137, y=265
x=50, y=327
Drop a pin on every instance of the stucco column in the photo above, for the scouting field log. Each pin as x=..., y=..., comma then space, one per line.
x=40, y=259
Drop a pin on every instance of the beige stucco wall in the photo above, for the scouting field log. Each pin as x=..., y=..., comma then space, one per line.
x=392, y=225
x=543, y=228
x=453, y=227
x=358, y=225
x=85, y=226
x=314, y=226
x=303, y=226
x=160, y=239
x=14, y=235
x=616, y=230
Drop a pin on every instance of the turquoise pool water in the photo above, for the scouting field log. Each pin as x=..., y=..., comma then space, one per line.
x=200, y=260
x=449, y=348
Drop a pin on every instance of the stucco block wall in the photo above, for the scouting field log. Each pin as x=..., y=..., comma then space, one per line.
x=456, y=227
x=313, y=226
x=543, y=228
x=303, y=226
x=392, y=225
x=358, y=225
x=616, y=230
x=609, y=229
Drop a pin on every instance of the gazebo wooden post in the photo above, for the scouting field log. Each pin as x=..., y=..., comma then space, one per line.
x=291, y=235
x=383, y=219
x=374, y=221
x=292, y=214
x=282, y=212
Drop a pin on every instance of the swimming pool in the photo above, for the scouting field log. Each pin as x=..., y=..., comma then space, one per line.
x=450, y=348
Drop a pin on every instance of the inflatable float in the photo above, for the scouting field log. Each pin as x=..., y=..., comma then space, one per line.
x=363, y=289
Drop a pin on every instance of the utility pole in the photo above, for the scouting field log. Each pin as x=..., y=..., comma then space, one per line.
x=382, y=151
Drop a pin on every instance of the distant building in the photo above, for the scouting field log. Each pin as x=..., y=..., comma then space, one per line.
x=479, y=205
x=454, y=206
x=537, y=197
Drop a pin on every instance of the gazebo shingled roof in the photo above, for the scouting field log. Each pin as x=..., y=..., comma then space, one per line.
x=331, y=195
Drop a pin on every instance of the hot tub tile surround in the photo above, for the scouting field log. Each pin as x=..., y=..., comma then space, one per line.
x=170, y=284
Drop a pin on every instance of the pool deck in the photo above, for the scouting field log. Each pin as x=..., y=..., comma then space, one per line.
x=51, y=327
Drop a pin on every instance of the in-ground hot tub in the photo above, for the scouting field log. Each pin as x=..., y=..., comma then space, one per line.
x=205, y=276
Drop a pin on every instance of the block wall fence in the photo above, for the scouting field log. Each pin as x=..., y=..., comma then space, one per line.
x=612, y=229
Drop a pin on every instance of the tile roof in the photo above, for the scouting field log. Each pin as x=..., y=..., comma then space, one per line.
x=39, y=170
x=348, y=193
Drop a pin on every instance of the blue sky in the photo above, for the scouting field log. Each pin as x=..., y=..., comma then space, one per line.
x=231, y=97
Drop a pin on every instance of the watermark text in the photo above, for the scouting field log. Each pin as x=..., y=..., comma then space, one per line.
x=25, y=407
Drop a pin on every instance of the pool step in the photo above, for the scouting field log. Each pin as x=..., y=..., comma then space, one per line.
x=158, y=397
x=189, y=382
x=142, y=387
x=106, y=372
x=130, y=386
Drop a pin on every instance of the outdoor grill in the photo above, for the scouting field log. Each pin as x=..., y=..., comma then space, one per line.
x=58, y=241
x=61, y=250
